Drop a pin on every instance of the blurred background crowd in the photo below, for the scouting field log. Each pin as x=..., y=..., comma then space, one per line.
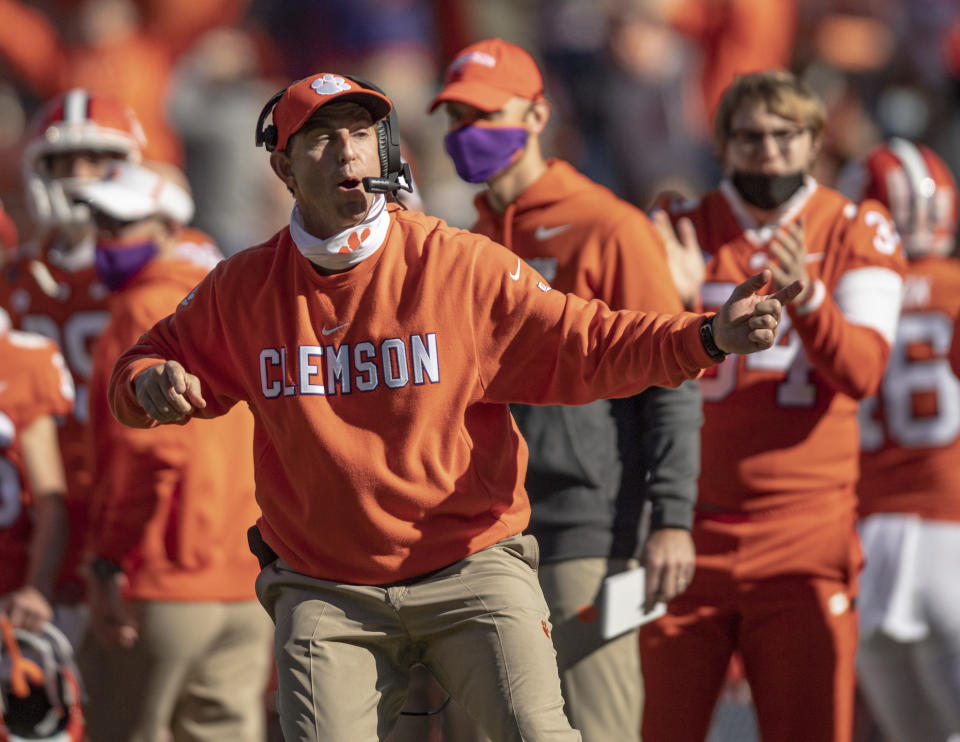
x=634, y=82
x=634, y=85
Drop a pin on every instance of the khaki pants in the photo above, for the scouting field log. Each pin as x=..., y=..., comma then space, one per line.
x=480, y=626
x=198, y=670
x=601, y=680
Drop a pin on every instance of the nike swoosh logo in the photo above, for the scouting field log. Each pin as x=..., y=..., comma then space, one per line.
x=813, y=258
x=516, y=274
x=545, y=233
x=334, y=329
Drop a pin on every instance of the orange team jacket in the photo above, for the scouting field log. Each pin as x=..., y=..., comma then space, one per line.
x=910, y=431
x=33, y=383
x=384, y=447
x=62, y=298
x=171, y=505
x=780, y=426
x=584, y=241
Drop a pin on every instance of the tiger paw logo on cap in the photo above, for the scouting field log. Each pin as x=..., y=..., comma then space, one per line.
x=329, y=84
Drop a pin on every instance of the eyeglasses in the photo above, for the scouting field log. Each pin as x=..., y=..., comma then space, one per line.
x=751, y=140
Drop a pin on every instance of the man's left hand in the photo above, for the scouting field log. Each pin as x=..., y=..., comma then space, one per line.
x=668, y=556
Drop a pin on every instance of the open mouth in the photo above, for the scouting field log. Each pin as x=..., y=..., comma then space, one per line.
x=349, y=183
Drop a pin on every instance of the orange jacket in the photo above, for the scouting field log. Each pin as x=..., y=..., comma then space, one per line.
x=172, y=505
x=780, y=426
x=384, y=447
x=910, y=431
x=33, y=383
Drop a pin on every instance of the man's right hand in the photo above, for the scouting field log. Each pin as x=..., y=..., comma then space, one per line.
x=167, y=393
x=748, y=322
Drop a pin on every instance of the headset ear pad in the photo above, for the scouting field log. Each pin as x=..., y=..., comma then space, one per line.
x=267, y=135
x=270, y=138
x=383, y=145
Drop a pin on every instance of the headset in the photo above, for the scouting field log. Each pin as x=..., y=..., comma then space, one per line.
x=394, y=172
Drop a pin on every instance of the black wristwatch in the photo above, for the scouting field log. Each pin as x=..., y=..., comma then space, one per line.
x=709, y=344
x=104, y=569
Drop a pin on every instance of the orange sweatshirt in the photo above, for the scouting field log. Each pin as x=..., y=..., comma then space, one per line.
x=384, y=447
x=584, y=240
x=171, y=505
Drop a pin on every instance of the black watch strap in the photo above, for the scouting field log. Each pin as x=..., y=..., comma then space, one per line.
x=709, y=344
x=104, y=569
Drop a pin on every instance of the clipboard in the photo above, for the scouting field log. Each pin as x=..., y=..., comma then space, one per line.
x=622, y=598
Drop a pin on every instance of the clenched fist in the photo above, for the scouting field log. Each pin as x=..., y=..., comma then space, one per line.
x=168, y=393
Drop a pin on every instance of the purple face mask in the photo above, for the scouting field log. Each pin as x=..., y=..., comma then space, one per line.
x=480, y=152
x=117, y=262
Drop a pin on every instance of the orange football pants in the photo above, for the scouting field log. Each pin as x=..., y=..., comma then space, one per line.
x=795, y=629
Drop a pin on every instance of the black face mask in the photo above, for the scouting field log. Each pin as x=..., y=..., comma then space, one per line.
x=766, y=191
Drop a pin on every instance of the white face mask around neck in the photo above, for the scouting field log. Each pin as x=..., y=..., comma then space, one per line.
x=346, y=248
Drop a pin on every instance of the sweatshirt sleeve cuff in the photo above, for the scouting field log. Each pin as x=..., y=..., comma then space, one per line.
x=671, y=513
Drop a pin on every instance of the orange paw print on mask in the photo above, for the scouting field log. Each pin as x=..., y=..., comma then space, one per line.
x=354, y=241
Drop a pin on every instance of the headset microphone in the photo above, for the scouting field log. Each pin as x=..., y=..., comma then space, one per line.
x=392, y=183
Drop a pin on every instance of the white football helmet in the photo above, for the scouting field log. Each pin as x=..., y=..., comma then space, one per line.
x=73, y=122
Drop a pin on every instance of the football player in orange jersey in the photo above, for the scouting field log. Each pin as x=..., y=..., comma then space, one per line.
x=51, y=287
x=777, y=552
x=593, y=467
x=909, y=603
x=379, y=349
x=34, y=388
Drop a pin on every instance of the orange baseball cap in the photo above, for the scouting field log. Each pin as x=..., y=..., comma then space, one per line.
x=488, y=73
x=301, y=99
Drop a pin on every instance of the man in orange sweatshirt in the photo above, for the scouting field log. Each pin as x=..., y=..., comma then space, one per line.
x=379, y=349
x=178, y=641
x=592, y=467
